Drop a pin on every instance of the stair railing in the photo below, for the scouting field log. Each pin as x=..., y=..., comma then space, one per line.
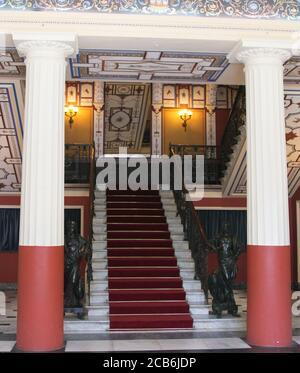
x=236, y=120
x=194, y=233
x=211, y=159
x=89, y=255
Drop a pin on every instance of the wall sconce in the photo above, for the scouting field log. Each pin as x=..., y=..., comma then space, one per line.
x=70, y=112
x=185, y=115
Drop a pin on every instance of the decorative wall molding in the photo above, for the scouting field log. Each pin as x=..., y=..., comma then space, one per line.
x=261, y=9
x=211, y=103
x=183, y=95
x=157, y=105
x=79, y=93
x=226, y=96
x=98, y=118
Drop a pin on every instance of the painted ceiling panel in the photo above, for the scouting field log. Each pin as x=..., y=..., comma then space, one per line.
x=146, y=65
x=141, y=66
x=125, y=115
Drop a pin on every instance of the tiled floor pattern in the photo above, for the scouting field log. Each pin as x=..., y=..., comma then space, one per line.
x=157, y=345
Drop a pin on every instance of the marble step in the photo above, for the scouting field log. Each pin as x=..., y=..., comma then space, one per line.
x=86, y=326
x=100, y=201
x=174, y=220
x=100, y=214
x=99, y=193
x=99, y=221
x=169, y=207
x=199, y=309
x=176, y=245
x=98, y=285
x=103, y=236
x=180, y=245
x=99, y=298
x=100, y=207
x=94, y=311
x=98, y=229
x=99, y=263
x=179, y=253
x=185, y=264
x=192, y=285
x=101, y=285
x=193, y=297
x=212, y=323
x=166, y=194
x=101, y=274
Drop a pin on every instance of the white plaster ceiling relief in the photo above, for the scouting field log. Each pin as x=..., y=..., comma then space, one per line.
x=147, y=65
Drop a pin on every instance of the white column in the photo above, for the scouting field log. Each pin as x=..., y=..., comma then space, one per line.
x=99, y=118
x=268, y=218
x=42, y=198
x=41, y=250
x=157, y=106
x=268, y=255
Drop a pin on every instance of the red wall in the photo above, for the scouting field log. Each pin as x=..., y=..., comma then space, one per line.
x=9, y=261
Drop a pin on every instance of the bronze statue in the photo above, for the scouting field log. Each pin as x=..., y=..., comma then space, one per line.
x=75, y=249
x=220, y=282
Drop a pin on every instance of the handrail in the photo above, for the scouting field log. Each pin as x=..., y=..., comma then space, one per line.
x=209, y=151
x=236, y=119
x=211, y=159
x=89, y=256
x=194, y=233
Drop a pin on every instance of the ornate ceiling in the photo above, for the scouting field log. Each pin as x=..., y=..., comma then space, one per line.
x=147, y=66
x=152, y=66
x=261, y=9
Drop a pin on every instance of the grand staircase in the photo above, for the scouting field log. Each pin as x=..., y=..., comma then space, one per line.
x=143, y=272
x=145, y=289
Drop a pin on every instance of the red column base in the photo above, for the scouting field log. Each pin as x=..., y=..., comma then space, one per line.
x=40, y=324
x=269, y=317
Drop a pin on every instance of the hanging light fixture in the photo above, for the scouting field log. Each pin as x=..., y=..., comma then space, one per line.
x=70, y=112
x=185, y=115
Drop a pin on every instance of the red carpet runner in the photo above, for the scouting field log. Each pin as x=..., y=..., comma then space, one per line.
x=145, y=287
